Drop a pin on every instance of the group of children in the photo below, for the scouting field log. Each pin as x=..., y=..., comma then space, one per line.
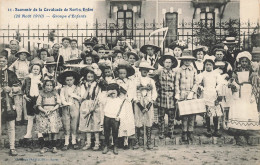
x=121, y=97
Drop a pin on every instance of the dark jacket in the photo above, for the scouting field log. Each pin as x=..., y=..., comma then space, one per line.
x=27, y=86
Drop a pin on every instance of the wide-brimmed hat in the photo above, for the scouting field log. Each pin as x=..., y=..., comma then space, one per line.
x=230, y=40
x=244, y=54
x=178, y=43
x=218, y=47
x=98, y=46
x=132, y=53
x=113, y=86
x=50, y=61
x=187, y=55
x=86, y=70
x=94, y=56
x=150, y=44
x=73, y=61
x=22, y=50
x=61, y=78
x=145, y=65
x=88, y=42
x=167, y=56
x=199, y=48
x=124, y=64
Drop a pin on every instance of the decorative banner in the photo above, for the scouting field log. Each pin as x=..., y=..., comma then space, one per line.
x=160, y=30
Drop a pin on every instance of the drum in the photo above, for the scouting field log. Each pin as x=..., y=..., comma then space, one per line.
x=188, y=107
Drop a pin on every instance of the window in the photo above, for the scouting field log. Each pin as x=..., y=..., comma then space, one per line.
x=125, y=23
x=208, y=19
x=172, y=23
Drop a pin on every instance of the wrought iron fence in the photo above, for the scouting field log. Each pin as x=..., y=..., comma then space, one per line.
x=188, y=31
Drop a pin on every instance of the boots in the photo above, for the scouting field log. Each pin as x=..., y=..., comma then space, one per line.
x=208, y=133
x=115, y=151
x=87, y=146
x=149, y=140
x=190, y=136
x=105, y=150
x=184, y=136
x=161, y=131
x=96, y=147
x=215, y=121
x=54, y=149
x=137, y=136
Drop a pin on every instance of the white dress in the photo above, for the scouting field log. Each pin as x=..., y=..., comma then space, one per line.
x=127, y=121
x=211, y=81
x=243, y=113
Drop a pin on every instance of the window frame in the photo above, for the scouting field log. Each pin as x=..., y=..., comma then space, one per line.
x=125, y=18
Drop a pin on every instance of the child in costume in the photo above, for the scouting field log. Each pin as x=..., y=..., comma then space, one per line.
x=165, y=83
x=112, y=108
x=48, y=120
x=146, y=94
x=70, y=99
x=21, y=68
x=243, y=114
x=31, y=88
x=91, y=116
x=127, y=88
x=210, y=82
x=185, y=89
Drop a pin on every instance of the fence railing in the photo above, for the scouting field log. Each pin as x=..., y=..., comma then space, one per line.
x=139, y=35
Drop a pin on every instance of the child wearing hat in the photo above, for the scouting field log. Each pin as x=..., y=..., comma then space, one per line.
x=127, y=88
x=70, y=99
x=185, y=89
x=21, y=68
x=50, y=66
x=210, y=82
x=165, y=81
x=48, y=120
x=243, y=109
x=199, y=54
x=9, y=82
x=178, y=47
x=31, y=89
x=113, y=105
x=145, y=96
x=91, y=116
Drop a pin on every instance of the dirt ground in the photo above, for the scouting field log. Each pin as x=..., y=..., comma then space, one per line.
x=178, y=154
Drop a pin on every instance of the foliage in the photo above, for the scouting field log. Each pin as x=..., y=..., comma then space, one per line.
x=206, y=36
x=231, y=27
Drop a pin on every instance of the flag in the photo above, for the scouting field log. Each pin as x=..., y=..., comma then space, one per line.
x=160, y=30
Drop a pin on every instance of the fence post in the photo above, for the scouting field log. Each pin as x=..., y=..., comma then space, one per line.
x=220, y=29
x=29, y=46
x=239, y=40
x=58, y=33
x=77, y=35
x=192, y=34
x=48, y=35
x=144, y=31
x=8, y=32
x=67, y=30
x=248, y=33
x=182, y=29
x=96, y=28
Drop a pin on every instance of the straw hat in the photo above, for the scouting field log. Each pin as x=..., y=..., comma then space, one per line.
x=22, y=50
x=134, y=54
x=124, y=64
x=36, y=61
x=150, y=44
x=244, y=54
x=145, y=65
x=50, y=61
x=61, y=78
x=187, y=55
x=167, y=56
x=230, y=40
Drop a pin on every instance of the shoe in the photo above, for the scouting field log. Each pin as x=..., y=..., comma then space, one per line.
x=87, y=146
x=96, y=147
x=149, y=140
x=43, y=150
x=75, y=146
x=13, y=152
x=208, y=133
x=161, y=136
x=27, y=136
x=216, y=134
x=105, y=150
x=54, y=150
x=65, y=148
x=126, y=147
x=115, y=151
x=184, y=136
x=190, y=136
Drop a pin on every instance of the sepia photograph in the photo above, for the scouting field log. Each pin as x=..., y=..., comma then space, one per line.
x=129, y=82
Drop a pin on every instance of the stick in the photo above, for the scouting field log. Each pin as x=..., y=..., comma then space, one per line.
x=144, y=149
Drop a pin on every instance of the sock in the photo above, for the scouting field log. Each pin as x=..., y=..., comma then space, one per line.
x=40, y=135
x=67, y=140
x=125, y=141
x=29, y=127
x=73, y=140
